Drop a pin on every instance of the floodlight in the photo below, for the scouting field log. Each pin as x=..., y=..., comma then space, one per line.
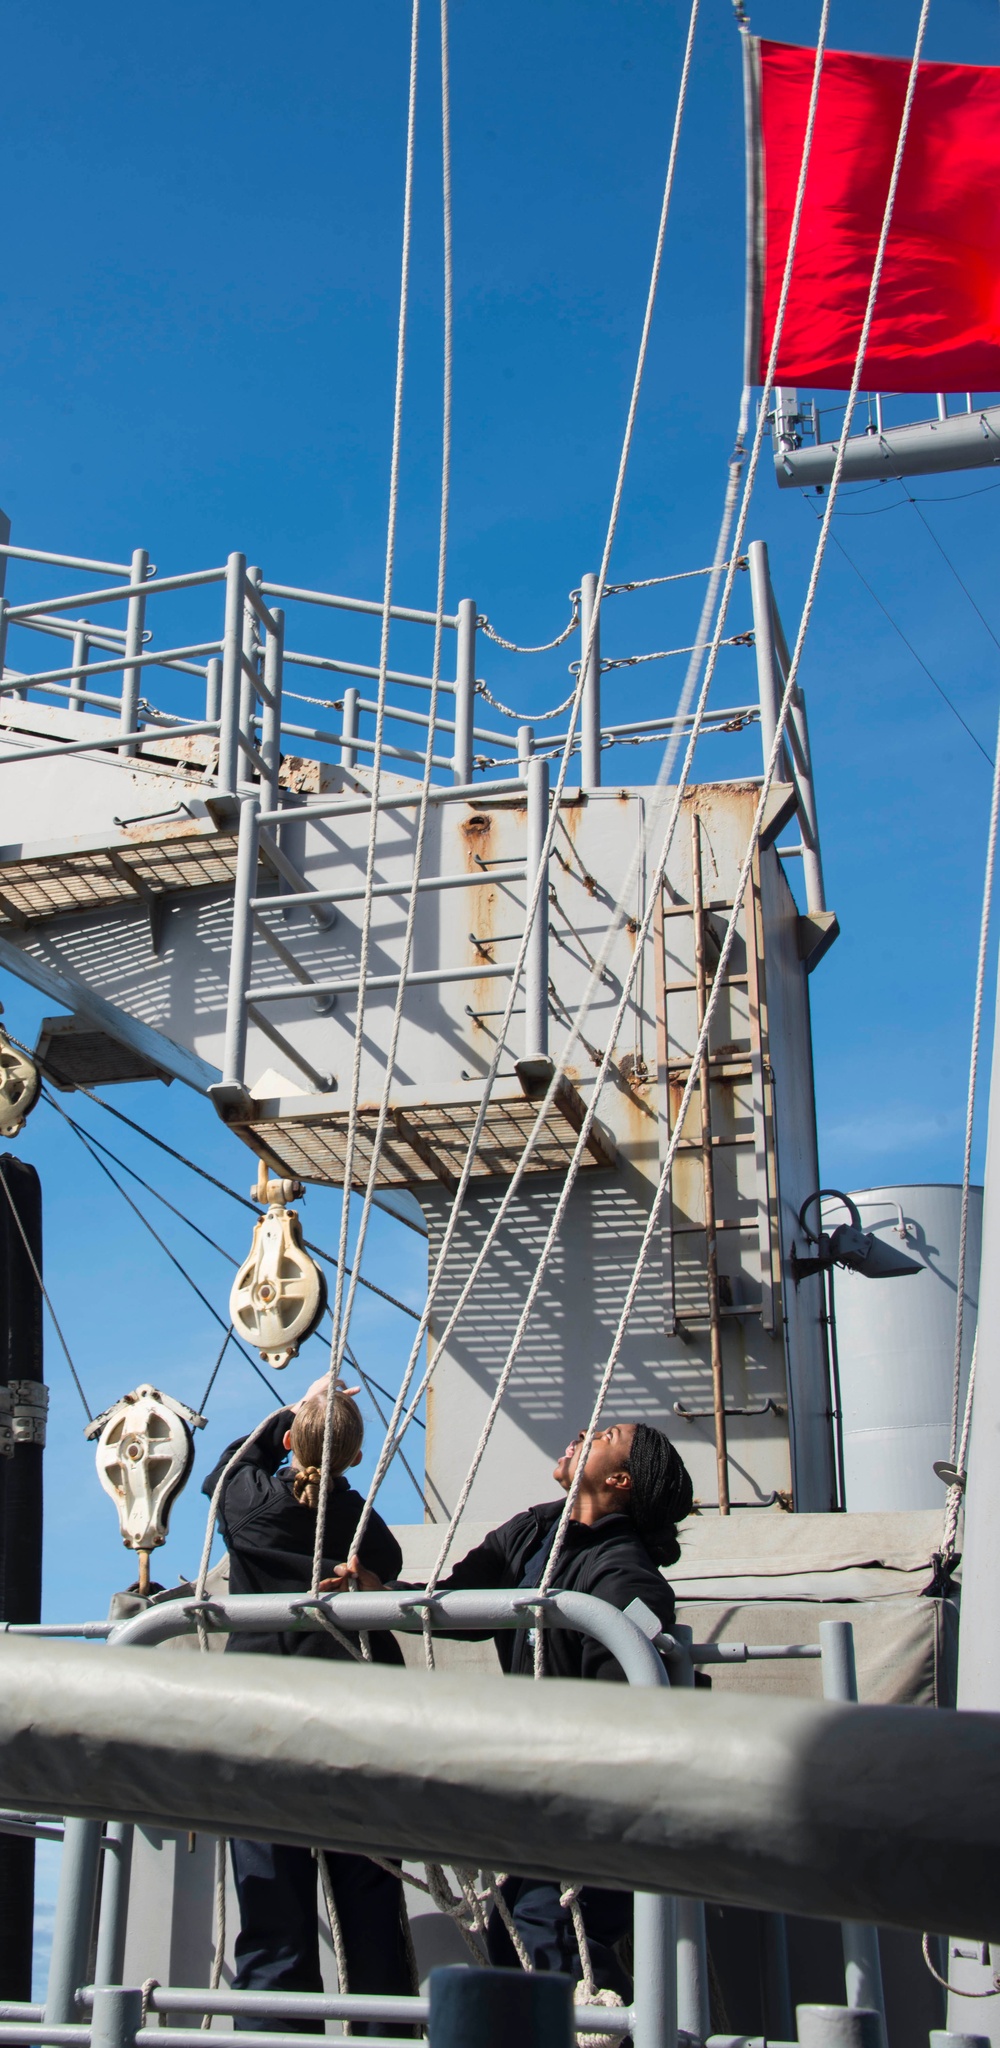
x=860, y=1251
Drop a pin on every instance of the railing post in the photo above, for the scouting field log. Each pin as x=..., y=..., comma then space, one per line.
x=3, y=638
x=349, y=727
x=113, y=1916
x=134, y=629
x=116, y=2017
x=839, y=2026
x=536, y=965
x=770, y=680
x=590, y=703
x=465, y=689
x=812, y=863
x=78, y=690
x=862, y=1964
x=74, y=1919
x=654, y=1943
x=234, y=1054
x=693, y=2013
x=250, y=657
x=213, y=687
x=270, y=737
x=525, y=748
x=232, y=647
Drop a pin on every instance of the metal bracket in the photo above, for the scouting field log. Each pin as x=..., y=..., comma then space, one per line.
x=29, y=1401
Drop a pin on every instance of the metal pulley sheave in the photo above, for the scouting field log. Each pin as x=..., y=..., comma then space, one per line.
x=145, y=1450
x=19, y=1085
x=279, y=1293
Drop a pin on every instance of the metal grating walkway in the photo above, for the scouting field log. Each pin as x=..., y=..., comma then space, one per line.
x=423, y=1142
x=48, y=886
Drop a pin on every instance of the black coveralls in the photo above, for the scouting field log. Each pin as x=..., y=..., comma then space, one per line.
x=270, y=1537
x=608, y=1559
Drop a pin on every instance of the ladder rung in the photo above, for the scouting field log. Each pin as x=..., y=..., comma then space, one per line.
x=675, y=988
x=721, y=1223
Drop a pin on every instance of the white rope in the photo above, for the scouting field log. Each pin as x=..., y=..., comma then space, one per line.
x=642, y=935
x=955, y=1989
x=668, y=653
x=649, y=582
x=786, y=702
x=336, y=1347
x=425, y=789
x=219, y=1956
x=336, y=1930
x=523, y=717
x=389, y=1446
x=970, y=1110
x=546, y=647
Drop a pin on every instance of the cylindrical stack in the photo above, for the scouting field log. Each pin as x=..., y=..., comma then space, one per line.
x=20, y=1514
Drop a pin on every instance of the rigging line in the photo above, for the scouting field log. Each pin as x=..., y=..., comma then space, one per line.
x=970, y=1114
x=164, y=1247
x=729, y=560
x=215, y=1369
x=648, y=582
x=150, y=1190
x=384, y=1420
x=981, y=616
x=744, y=875
x=203, y=1174
x=547, y=645
x=343, y=1311
x=350, y=1143
x=540, y=879
x=523, y=717
x=908, y=644
x=48, y=1303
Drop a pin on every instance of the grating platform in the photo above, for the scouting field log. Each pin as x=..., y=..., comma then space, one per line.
x=57, y=884
x=423, y=1142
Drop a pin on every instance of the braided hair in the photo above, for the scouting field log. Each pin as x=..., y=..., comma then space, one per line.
x=661, y=1493
x=346, y=1437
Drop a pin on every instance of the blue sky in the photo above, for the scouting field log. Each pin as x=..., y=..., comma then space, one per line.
x=197, y=334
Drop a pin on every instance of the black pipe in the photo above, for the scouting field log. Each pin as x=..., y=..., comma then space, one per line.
x=20, y=1522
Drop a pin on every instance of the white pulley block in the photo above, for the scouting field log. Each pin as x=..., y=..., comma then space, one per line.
x=19, y=1085
x=279, y=1293
x=145, y=1451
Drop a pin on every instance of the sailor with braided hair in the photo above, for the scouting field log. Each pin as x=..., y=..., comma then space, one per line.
x=268, y=1514
x=633, y=1492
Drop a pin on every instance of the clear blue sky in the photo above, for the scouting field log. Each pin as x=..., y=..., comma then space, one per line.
x=200, y=269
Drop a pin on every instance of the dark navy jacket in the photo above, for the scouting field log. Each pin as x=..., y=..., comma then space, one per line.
x=270, y=1536
x=608, y=1559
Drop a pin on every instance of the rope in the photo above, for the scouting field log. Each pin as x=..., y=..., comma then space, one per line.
x=45, y=1293
x=523, y=717
x=666, y=771
x=146, y=1988
x=952, y=1506
x=219, y=1957
x=341, y=1321
x=649, y=582
x=336, y=1348
x=336, y=1930
x=954, y=1497
x=513, y=648
x=667, y=653
x=955, y=1989
x=786, y=702
x=395, y=1432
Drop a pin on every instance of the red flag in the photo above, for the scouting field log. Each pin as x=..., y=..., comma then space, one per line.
x=937, y=316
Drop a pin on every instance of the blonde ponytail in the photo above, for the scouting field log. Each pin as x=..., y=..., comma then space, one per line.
x=347, y=1432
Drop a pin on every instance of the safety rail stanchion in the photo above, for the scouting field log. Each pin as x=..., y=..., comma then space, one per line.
x=349, y=727
x=465, y=690
x=525, y=747
x=116, y=2017
x=234, y=1054
x=590, y=702
x=81, y=652
x=812, y=863
x=693, y=2015
x=134, y=629
x=116, y=1870
x=249, y=666
x=536, y=965
x=232, y=668
x=72, y=1929
x=770, y=680
x=213, y=687
x=270, y=737
x=862, y=1963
